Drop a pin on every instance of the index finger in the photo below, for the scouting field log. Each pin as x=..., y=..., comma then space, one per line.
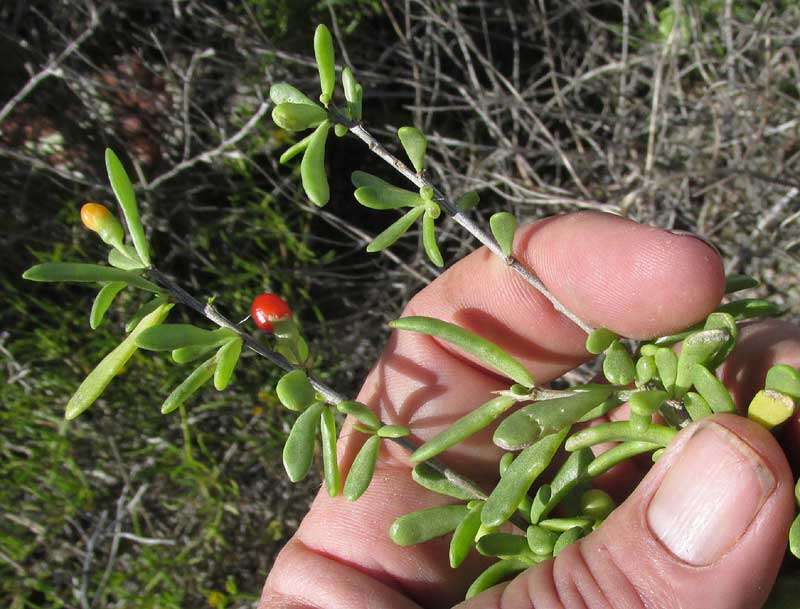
x=611, y=272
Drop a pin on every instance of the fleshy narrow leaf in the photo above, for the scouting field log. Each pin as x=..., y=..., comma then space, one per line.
x=282, y=93
x=312, y=167
x=323, y=52
x=600, y=340
x=540, y=540
x=618, y=366
x=297, y=117
x=712, y=389
x=415, y=144
x=395, y=230
x=333, y=481
x=645, y=369
x=749, y=308
x=169, y=337
x=513, y=486
x=295, y=391
x=505, y=545
x=567, y=537
x=784, y=378
x=127, y=262
x=497, y=573
x=667, y=366
x=295, y=149
x=387, y=197
x=534, y=421
x=393, y=431
x=184, y=355
x=227, y=358
x=464, y=535
x=794, y=537
x=361, y=412
x=486, y=351
x=596, y=503
x=360, y=474
x=463, y=428
x=298, y=452
x=696, y=406
x=144, y=310
x=199, y=377
x=424, y=525
x=619, y=431
x=99, y=378
x=569, y=475
x=351, y=93
x=722, y=321
x=103, y=300
x=429, y=240
x=504, y=225
x=434, y=480
x=698, y=348
x=123, y=189
x=82, y=273
x=468, y=201
x=608, y=459
x=736, y=282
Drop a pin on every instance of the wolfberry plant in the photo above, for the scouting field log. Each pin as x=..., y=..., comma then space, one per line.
x=533, y=422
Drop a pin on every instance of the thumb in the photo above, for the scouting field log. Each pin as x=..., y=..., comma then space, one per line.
x=706, y=529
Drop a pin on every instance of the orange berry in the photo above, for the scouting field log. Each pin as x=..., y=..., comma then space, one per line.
x=93, y=215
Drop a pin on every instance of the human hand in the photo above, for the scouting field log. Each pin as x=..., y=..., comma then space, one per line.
x=706, y=527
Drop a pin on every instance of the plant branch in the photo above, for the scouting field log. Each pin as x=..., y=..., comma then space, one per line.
x=210, y=312
x=461, y=218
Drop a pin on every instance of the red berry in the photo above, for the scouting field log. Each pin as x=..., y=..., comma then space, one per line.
x=268, y=307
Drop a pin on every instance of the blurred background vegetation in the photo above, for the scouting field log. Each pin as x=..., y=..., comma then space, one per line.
x=679, y=114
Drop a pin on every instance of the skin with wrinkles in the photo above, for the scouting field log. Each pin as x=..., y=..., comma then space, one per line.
x=611, y=272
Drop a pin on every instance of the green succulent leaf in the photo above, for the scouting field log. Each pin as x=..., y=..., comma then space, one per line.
x=646, y=370
x=434, y=480
x=698, y=348
x=297, y=117
x=596, y=504
x=351, y=93
x=750, y=308
x=497, y=573
x=618, y=366
x=199, y=377
x=312, y=167
x=111, y=365
x=295, y=149
x=227, y=358
x=424, y=525
x=504, y=225
x=599, y=340
x=361, y=413
x=463, y=428
x=464, y=535
x=387, y=197
x=323, y=52
x=712, y=389
x=667, y=366
x=86, y=273
x=540, y=540
x=539, y=419
x=794, y=538
x=333, y=481
x=298, y=452
x=168, y=337
x=393, y=431
x=486, y=351
x=736, y=282
x=566, y=538
x=696, y=406
x=283, y=93
x=103, y=300
x=295, y=391
x=429, y=239
x=784, y=378
x=569, y=475
x=620, y=431
x=505, y=545
x=184, y=355
x=519, y=477
x=145, y=309
x=395, y=231
x=360, y=474
x=128, y=261
x=123, y=189
x=415, y=144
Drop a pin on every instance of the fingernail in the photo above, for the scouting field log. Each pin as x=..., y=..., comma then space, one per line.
x=709, y=496
x=686, y=233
